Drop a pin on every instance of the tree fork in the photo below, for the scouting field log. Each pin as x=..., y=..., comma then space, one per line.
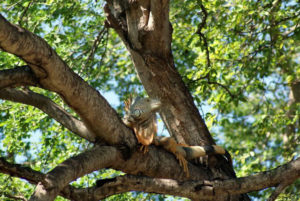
x=153, y=61
x=146, y=31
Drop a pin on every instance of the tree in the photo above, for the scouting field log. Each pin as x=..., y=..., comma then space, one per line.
x=238, y=61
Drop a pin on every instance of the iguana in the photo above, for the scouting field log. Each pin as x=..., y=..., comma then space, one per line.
x=141, y=117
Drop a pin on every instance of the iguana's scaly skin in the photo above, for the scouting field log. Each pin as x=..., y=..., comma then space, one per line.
x=141, y=117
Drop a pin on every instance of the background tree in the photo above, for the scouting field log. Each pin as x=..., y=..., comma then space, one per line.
x=237, y=62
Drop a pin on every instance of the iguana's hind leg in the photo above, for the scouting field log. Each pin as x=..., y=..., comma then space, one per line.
x=183, y=163
x=172, y=146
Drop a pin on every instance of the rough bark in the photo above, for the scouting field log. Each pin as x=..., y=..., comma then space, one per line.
x=180, y=114
x=54, y=74
x=145, y=29
x=71, y=169
x=204, y=190
x=196, y=189
x=13, y=39
x=20, y=76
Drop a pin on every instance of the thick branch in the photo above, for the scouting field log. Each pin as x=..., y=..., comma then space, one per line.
x=207, y=190
x=55, y=75
x=204, y=190
x=146, y=184
x=34, y=177
x=282, y=174
x=48, y=106
x=20, y=76
x=73, y=168
x=16, y=170
x=156, y=163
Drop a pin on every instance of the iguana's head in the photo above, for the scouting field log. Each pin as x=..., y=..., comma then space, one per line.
x=140, y=110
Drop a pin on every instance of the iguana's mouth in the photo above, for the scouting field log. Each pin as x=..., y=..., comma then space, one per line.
x=155, y=104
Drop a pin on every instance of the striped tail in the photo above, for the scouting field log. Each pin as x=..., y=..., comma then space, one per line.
x=198, y=151
x=185, y=152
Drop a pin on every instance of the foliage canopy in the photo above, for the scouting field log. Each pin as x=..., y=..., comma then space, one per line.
x=239, y=59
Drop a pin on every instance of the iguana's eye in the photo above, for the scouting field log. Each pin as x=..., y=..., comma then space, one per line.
x=137, y=113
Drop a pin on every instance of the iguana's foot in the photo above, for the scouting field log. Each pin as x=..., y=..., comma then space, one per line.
x=183, y=163
x=144, y=148
x=172, y=146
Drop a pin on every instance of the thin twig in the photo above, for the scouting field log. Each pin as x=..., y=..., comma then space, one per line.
x=199, y=32
x=24, y=13
x=212, y=82
x=95, y=46
x=202, y=36
x=105, y=49
x=223, y=86
x=278, y=190
x=14, y=197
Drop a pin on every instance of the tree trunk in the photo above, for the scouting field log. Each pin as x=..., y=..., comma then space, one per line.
x=145, y=29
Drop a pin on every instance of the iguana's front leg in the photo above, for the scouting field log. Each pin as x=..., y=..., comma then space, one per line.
x=144, y=137
x=144, y=148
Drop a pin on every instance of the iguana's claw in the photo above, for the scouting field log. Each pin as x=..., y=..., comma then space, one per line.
x=144, y=148
x=183, y=163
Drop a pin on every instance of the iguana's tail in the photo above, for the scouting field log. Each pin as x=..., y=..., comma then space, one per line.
x=198, y=151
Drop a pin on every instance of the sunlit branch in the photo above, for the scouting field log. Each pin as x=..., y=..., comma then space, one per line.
x=34, y=177
x=55, y=75
x=94, y=159
x=17, y=170
x=281, y=176
x=49, y=107
x=205, y=189
x=19, y=76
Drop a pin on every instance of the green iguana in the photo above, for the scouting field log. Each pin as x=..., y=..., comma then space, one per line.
x=141, y=117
